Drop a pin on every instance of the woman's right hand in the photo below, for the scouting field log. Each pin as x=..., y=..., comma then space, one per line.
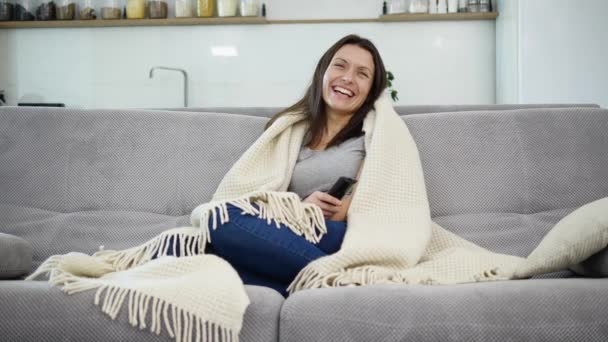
x=328, y=204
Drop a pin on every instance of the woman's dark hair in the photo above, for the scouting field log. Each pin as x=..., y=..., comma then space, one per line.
x=313, y=105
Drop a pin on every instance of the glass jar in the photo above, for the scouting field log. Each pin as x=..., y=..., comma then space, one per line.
x=473, y=6
x=66, y=9
x=205, y=8
x=396, y=6
x=227, y=8
x=111, y=9
x=87, y=10
x=47, y=10
x=6, y=10
x=184, y=9
x=484, y=5
x=250, y=8
x=157, y=9
x=24, y=10
x=136, y=9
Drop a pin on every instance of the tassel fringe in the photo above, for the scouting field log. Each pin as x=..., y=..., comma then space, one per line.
x=304, y=219
x=311, y=278
x=191, y=242
x=180, y=324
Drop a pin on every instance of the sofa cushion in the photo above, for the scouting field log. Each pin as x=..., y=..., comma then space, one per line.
x=573, y=239
x=35, y=311
x=15, y=256
x=572, y=309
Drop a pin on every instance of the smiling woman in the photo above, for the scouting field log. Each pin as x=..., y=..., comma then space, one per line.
x=347, y=81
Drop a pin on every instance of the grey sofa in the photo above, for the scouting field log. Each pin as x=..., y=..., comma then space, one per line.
x=72, y=180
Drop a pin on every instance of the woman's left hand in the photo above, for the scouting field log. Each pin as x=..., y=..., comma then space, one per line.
x=340, y=215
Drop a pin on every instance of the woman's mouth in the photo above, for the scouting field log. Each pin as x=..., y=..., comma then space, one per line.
x=342, y=92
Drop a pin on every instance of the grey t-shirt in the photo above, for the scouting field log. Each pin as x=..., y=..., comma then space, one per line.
x=319, y=170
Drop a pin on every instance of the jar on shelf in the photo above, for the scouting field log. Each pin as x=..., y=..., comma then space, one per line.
x=396, y=6
x=46, y=10
x=484, y=6
x=205, y=8
x=473, y=6
x=184, y=9
x=250, y=8
x=66, y=9
x=6, y=10
x=87, y=10
x=136, y=9
x=157, y=9
x=227, y=8
x=24, y=10
x=111, y=9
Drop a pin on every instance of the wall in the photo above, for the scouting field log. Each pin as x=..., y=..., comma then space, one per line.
x=552, y=51
x=434, y=62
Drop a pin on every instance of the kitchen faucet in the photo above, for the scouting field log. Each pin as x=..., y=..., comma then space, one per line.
x=185, y=79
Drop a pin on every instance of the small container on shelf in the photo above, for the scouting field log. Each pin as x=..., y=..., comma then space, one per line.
x=46, y=10
x=473, y=6
x=419, y=6
x=250, y=8
x=157, y=9
x=6, y=10
x=485, y=6
x=205, y=8
x=227, y=8
x=136, y=9
x=111, y=9
x=24, y=10
x=66, y=9
x=87, y=10
x=396, y=6
x=184, y=9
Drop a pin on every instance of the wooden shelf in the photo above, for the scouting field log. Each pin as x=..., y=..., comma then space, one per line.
x=446, y=16
x=240, y=21
x=134, y=22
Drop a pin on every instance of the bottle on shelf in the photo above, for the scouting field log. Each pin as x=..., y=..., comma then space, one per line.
x=205, y=8
x=66, y=10
x=87, y=10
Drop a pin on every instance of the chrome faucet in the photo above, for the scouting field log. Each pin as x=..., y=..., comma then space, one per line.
x=185, y=79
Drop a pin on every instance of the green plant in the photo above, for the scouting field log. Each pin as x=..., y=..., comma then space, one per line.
x=389, y=80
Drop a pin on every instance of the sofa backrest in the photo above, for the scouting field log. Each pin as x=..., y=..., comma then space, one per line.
x=401, y=110
x=499, y=178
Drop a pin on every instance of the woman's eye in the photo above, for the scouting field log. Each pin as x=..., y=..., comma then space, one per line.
x=363, y=74
x=340, y=66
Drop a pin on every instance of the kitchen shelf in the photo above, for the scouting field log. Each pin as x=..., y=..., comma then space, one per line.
x=241, y=21
x=446, y=16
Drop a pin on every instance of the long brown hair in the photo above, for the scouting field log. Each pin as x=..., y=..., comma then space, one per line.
x=313, y=105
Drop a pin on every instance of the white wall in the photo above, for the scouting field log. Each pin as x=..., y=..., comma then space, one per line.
x=552, y=51
x=434, y=62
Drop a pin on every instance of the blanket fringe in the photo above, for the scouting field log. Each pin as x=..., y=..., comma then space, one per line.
x=191, y=242
x=304, y=219
x=312, y=278
x=181, y=325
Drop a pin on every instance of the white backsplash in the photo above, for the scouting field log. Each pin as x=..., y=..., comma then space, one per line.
x=433, y=62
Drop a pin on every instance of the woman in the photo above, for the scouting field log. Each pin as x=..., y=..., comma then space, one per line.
x=349, y=77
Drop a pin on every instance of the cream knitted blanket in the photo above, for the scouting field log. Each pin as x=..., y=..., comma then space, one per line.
x=390, y=238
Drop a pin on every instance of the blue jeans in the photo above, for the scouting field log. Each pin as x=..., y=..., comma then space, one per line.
x=265, y=255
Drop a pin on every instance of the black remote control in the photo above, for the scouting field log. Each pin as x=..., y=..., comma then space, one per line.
x=341, y=187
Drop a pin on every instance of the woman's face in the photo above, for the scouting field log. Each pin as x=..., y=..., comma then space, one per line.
x=348, y=79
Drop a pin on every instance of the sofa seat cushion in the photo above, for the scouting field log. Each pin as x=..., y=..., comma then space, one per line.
x=15, y=256
x=35, y=311
x=573, y=309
